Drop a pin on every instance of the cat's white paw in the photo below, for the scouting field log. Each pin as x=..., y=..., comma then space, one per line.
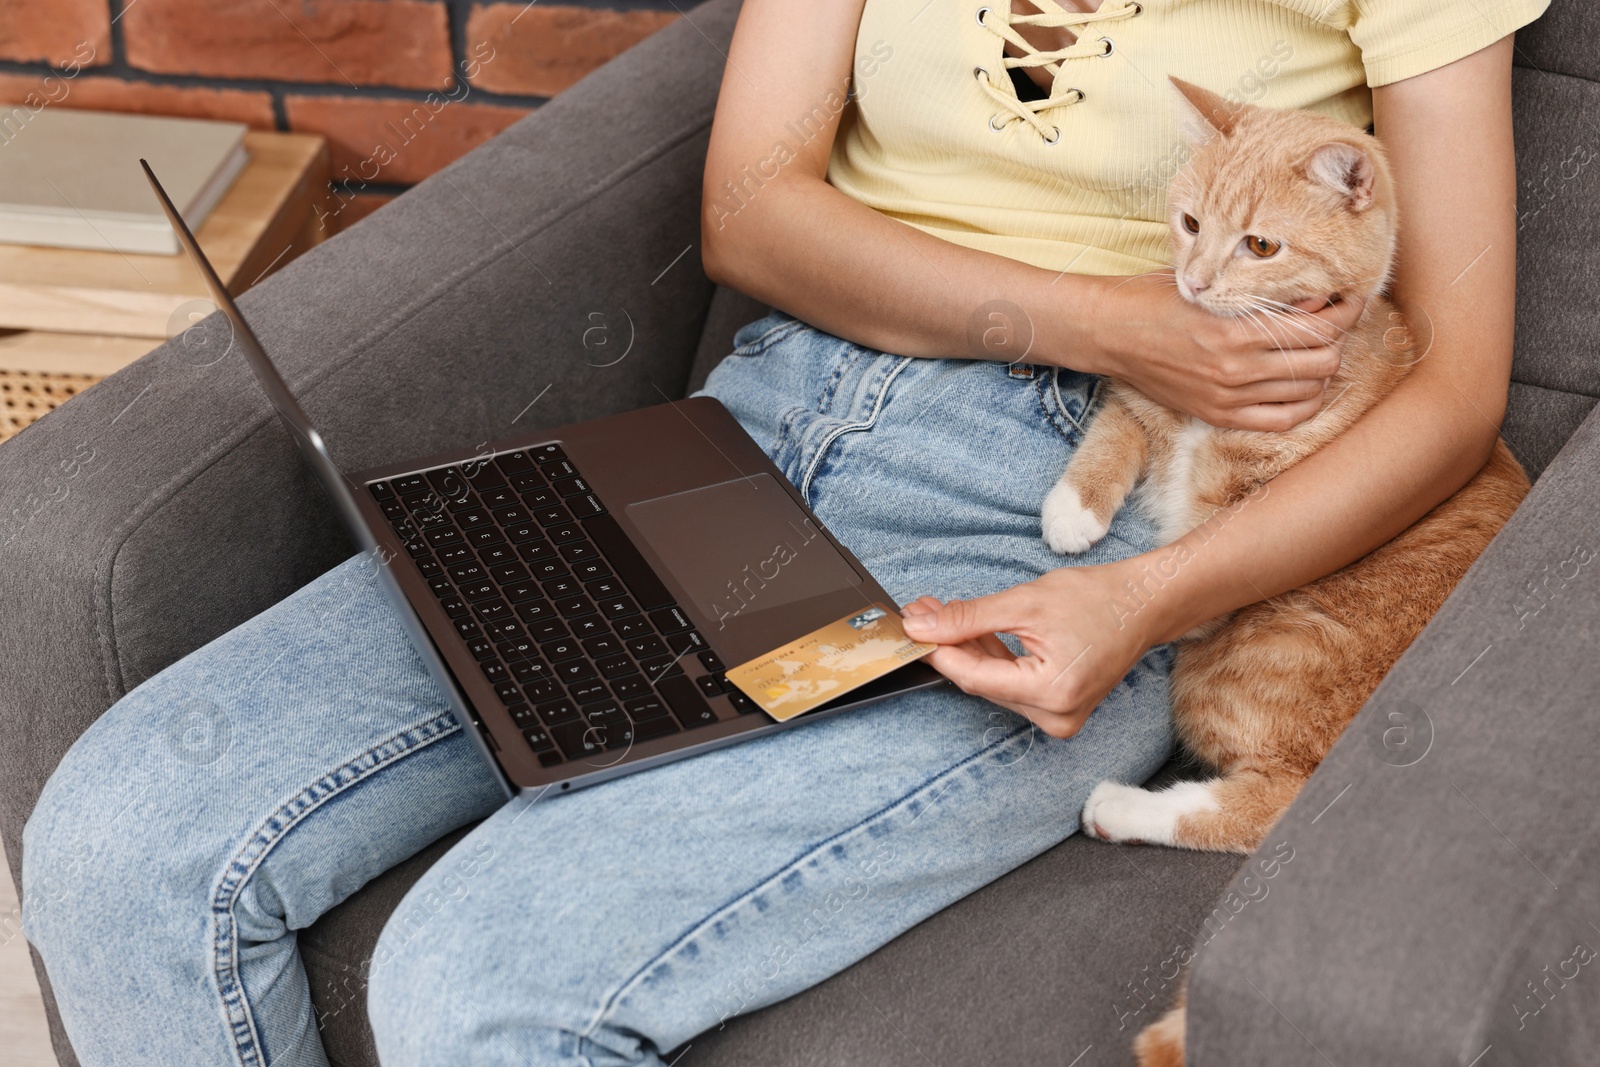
x=1068, y=525
x=1117, y=812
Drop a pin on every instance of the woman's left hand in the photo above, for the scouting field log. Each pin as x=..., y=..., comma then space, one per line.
x=1081, y=628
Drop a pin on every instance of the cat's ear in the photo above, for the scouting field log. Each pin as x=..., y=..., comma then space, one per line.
x=1345, y=169
x=1218, y=114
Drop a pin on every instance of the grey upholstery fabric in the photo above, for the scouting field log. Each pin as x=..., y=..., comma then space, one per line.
x=444, y=317
x=1447, y=849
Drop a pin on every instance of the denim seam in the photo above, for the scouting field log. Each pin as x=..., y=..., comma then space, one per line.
x=1058, y=412
x=768, y=338
x=612, y=1001
x=850, y=427
x=242, y=867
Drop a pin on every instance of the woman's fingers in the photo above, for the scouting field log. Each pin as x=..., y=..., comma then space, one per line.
x=964, y=620
x=1271, y=418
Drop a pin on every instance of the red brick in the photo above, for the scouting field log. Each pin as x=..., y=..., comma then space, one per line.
x=540, y=50
x=357, y=42
x=57, y=32
x=116, y=94
x=404, y=141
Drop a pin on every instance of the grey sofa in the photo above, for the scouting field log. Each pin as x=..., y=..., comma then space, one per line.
x=1424, y=900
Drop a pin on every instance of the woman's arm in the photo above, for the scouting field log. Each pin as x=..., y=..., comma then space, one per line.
x=1456, y=283
x=794, y=241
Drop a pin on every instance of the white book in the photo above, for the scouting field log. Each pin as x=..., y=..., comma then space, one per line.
x=71, y=179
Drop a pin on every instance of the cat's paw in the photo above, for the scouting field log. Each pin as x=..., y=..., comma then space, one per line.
x=1126, y=814
x=1068, y=525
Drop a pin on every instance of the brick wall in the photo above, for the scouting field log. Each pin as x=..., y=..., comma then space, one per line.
x=398, y=87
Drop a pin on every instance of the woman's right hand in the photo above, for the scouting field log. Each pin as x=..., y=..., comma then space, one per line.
x=1233, y=372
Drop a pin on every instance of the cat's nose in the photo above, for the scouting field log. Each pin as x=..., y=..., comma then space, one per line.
x=1195, y=284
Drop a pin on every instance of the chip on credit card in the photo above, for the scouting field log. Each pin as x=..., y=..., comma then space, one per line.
x=826, y=663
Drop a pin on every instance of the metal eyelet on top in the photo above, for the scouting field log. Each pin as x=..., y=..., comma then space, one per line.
x=1138, y=9
x=982, y=11
x=1110, y=47
x=1057, y=138
x=992, y=126
x=980, y=72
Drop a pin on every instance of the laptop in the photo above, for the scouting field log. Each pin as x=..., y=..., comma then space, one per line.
x=579, y=593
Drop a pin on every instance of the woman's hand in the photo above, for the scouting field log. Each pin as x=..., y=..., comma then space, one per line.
x=1238, y=372
x=1075, y=623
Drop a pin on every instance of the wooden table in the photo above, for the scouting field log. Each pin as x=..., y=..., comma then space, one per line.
x=69, y=317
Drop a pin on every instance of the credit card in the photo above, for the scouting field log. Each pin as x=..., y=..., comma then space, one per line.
x=827, y=663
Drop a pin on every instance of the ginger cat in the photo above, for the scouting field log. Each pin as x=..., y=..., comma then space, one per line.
x=1272, y=208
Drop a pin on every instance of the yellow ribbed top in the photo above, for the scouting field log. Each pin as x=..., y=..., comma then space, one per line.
x=931, y=140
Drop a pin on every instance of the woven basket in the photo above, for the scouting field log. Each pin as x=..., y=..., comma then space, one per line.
x=25, y=395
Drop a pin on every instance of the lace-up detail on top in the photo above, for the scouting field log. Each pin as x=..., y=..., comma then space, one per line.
x=1053, y=16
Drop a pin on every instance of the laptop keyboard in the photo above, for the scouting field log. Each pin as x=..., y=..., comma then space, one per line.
x=579, y=638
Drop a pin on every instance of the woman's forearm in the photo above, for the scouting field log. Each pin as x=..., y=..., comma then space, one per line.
x=803, y=246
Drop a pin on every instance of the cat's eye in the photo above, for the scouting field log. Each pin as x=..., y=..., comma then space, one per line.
x=1262, y=247
x=1191, y=223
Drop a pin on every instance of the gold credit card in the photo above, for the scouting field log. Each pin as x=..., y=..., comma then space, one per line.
x=825, y=663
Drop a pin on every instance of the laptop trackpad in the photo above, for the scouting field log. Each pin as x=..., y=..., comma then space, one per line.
x=741, y=548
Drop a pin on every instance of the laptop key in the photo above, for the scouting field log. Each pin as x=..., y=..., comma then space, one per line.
x=536, y=551
x=467, y=572
x=605, y=588
x=495, y=555
x=454, y=607
x=552, y=516
x=562, y=648
x=473, y=517
x=552, y=712
x=547, y=631
x=504, y=631
x=708, y=686
x=712, y=662
x=393, y=510
x=626, y=688
x=650, y=729
x=506, y=573
x=551, y=758
x=577, y=551
x=541, y=497
x=523, y=716
x=615, y=666
x=574, y=670
x=485, y=537
x=686, y=642
x=602, y=645
x=441, y=587
x=568, y=531
x=617, y=607
x=741, y=703
x=447, y=480
x=514, y=462
x=542, y=689
x=686, y=702
x=455, y=554
x=585, y=692
x=564, y=586
x=586, y=507
x=482, y=589
x=447, y=535
x=518, y=592
x=588, y=626
x=645, y=647
x=633, y=627
x=554, y=469
x=591, y=569
x=531, y=670
x=481, y=648
x=482, y=475
x=527, y=482
x=492, y=610
x=547, y=453
x=508, y=693
x=518, y=648
x=538, y=740
x=577, y=739
x=430, y=567
x=649, y=707
x=518, y=532
x=504, y=497
x=571, y=486
x=411, y=483
x=462, y=502
x=546, y=569
x=670, y=620
x=495, y=672
x=382, y=490
x=467, y=628
x=573, y=606
x=658, y=667
x=534, y=611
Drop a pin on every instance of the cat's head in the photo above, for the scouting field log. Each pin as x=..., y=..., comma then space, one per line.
x=1278, y=206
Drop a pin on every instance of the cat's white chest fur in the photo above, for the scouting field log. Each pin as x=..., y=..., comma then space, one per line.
x=1169, y=493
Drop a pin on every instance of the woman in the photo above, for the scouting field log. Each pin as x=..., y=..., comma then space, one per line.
x=998, y=172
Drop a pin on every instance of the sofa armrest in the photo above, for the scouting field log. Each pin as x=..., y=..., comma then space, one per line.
x=165, y=505
x=1444, y=891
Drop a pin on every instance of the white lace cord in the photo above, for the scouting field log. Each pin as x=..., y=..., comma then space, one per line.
x=1054, y=16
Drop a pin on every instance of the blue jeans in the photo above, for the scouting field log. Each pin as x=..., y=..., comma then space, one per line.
x=231, y=800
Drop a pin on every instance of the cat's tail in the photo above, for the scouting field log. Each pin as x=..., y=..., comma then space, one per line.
x=1161, y=1043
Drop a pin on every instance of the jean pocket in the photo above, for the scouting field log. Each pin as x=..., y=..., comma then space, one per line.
x=756, y=337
